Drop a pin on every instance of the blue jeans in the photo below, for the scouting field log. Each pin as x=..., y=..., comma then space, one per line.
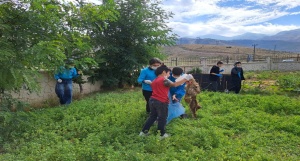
x=64, y=90
x=159, y=111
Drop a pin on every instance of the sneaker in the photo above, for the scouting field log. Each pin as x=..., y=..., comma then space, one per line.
x=165, y=136
x=143, y=134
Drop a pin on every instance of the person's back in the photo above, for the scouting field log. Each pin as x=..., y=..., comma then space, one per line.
x=159, y=90
x=213, y=73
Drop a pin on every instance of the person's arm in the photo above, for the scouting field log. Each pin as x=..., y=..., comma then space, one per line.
x=74, y=73
x=180, y=91
x=141, y=77
x=213, y=71
x=169, y=83
x=56, y=76
x=234, y=71
x=242, y=74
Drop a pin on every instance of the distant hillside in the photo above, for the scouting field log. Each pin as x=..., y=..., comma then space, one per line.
x=249, y=36
x=283, y=41
x=246, y=36
x=277, y=45
x=292, y=35
x=201, y=50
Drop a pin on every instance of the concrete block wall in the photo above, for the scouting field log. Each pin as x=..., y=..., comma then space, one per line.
x=268, y=64
x=47, y=90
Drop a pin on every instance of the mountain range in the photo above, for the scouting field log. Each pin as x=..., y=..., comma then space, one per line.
x=282, y=41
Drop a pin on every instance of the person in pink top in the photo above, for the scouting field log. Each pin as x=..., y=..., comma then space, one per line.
x=159, y=100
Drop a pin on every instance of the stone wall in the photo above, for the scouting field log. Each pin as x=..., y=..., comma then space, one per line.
x=47, y=90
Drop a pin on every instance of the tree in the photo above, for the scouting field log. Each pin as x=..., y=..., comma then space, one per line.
x=127, y=44
x=40, y=34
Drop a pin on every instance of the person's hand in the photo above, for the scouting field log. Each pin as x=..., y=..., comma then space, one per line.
x=174, y=98
x=189, y=77
x=79, y=72
x=222, y=70
x=219, y=75
x=147, y=81
x=59, y=80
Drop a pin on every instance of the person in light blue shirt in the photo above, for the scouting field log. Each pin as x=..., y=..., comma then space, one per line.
x=146, y=77
x=64, y=85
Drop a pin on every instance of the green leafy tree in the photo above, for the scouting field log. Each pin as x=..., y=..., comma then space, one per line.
x=127, y=44
x=40, y=34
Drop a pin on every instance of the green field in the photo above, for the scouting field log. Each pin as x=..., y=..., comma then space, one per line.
x=106, y=126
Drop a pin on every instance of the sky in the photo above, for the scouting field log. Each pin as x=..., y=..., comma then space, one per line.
x=195, y=18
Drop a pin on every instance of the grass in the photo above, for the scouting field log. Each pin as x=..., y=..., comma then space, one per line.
x=106, y=126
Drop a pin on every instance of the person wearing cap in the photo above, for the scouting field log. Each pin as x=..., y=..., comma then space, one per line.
x=215, y=75
x=146, y=77
x=64, y=85
x=237, y=75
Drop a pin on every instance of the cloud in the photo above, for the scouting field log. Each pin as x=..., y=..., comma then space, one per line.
x=229, y=17
x=199, y=29
x=278, y=3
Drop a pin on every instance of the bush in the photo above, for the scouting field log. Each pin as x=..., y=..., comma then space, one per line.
x=196, y=70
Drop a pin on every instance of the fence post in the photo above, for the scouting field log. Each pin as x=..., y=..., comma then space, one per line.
x=298, y=57
x=176, y=62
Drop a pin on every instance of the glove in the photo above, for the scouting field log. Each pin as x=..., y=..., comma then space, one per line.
x=239, y=74
x=219, y=75
x=147, y=81
x=189, y=77
x=59, y=80
x=222, y=70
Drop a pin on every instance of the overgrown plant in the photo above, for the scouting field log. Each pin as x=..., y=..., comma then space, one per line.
x=196, y=70
x=128, y=43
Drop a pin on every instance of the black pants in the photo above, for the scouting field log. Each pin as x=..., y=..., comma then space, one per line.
x=237, y=85
x=214, y=86
x=159, y=111
x=147, y=95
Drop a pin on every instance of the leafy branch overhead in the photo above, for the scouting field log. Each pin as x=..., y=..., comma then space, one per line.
x=119, y=37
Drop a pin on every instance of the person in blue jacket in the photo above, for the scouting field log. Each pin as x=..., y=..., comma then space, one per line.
x=64, y=85
x=146, y=77
x=175, y=108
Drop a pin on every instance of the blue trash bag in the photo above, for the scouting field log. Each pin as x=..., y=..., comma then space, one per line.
x=174, y=110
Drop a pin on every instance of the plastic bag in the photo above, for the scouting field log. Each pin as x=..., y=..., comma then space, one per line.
x=174, y=110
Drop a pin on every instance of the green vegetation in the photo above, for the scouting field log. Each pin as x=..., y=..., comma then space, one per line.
x=111, y=41
x=196, y=70
x=272, y=82
x=106, y=127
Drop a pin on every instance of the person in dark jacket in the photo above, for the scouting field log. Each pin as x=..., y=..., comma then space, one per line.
x=146, y=77
x=237, y=75
x=215, y=75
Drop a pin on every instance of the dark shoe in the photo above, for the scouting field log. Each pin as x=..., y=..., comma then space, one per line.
x=183, y=116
